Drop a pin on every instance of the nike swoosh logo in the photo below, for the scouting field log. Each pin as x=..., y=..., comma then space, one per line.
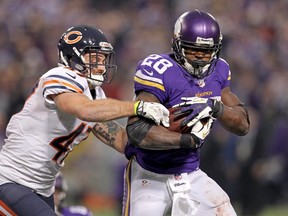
x=205, y=133
x=72, y=76
x=148, y=72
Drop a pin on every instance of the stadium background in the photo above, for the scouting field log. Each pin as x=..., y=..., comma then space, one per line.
x=252, y=169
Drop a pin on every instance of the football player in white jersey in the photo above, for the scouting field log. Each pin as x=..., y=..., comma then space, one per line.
x=65, y=105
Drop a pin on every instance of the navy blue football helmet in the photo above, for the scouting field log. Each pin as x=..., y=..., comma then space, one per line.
x=197, y=30
x=77, y=41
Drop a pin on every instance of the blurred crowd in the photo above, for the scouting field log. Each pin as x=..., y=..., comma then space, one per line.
x=252, y=169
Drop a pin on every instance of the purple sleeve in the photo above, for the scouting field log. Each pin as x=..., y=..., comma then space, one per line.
x=224, y=73
x=152, y=76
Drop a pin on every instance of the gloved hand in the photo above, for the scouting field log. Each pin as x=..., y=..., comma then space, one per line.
x=200, y=131
x=151, y=110
x=199, y=108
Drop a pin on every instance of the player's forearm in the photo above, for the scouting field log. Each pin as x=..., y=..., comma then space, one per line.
x=106, y=110
x=235, y=119
x=147, y=135
x=112, y=134
x=158, y=139
x=99, y=110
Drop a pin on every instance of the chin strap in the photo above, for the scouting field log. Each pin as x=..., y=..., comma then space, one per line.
x=198, y=72
x=95, y=80
x=77, y=67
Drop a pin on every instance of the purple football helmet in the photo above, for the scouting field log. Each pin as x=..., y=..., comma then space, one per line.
x=197, y=30
x=60, y=183
x=62, y=187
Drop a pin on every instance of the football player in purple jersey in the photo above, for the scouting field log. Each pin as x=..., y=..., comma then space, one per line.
x=167, y=180
x=66, y=104
x=61, y=209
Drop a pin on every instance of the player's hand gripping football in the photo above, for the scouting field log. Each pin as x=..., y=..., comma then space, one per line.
x=155, y=111
x=201, y=130
x=199, y=108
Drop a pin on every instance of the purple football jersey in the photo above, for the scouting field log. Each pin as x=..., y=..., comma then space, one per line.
x=163, y=77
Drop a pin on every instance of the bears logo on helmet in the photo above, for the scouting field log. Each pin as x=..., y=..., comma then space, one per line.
x=82, y=39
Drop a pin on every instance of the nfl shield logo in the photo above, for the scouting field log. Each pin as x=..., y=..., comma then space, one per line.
x=177, y=177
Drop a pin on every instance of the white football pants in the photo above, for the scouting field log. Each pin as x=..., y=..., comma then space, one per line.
x=192, y=194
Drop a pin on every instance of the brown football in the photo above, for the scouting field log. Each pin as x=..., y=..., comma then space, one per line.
x=175, y=121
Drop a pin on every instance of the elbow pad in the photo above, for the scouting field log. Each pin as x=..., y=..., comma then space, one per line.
x=137, y=130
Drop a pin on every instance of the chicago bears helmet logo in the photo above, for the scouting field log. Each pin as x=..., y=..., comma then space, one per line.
x=77, y=36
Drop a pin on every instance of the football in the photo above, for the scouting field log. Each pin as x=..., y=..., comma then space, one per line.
x=175, y=121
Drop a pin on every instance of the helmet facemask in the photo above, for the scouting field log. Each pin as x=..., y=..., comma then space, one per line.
x=198, y=67
x=107, y=67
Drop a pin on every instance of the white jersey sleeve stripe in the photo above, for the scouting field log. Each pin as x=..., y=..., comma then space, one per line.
x=60, y=84
x=149, y=78
x=66, y=79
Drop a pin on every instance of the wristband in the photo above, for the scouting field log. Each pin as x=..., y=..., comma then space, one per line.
x=218, y=109
x=136, y=105
x=185, y=141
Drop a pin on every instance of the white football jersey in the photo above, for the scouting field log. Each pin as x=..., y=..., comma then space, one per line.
x=40, y=136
